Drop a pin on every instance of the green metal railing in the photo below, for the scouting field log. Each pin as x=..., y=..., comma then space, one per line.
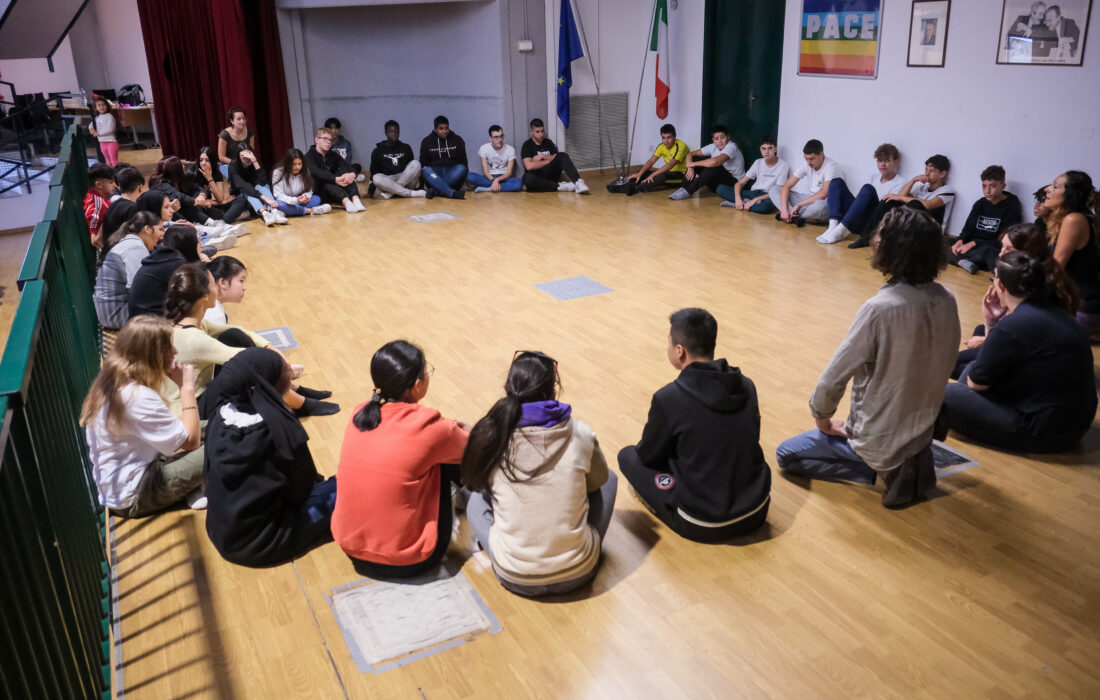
x=55, y=584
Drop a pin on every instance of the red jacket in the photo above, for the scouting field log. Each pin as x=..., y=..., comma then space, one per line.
x=95, y=211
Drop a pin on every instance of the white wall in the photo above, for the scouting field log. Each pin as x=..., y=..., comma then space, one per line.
x=1035, y=121
x=108, y=47
x=618, y=35
x=33, y=74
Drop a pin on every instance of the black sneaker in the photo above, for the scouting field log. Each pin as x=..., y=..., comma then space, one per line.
x=459, y=194
x=798, y=221
x=859, y=243
x=429, y=193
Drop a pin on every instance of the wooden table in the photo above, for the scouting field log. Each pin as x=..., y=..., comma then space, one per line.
x=140, y=115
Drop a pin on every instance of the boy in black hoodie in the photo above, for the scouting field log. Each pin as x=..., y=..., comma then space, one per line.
x=979, y=243
x=392, y=166
x=333, y=177
x=699, y=466
x=443, y=157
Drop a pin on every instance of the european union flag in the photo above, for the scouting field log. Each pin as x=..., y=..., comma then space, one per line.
x=569, y=50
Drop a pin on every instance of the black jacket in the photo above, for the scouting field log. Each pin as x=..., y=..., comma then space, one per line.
x=390, y=157
x=117, y=214
x=151, y=281
x=987, y=222
x=442, y=153
x=244, y=179
x=325, y=169
x=704, y=428
x=253, y=494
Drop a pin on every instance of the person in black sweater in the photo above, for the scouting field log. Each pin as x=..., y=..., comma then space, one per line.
x=266, y=503
x=545, y=164
x=131, y=185
x=444, y=161
x=333, y=177
x=180, y=246
x=699, y=466
x=393, y=169
x=171, y=181
x=1031, y=388
x=979, y=243
x=248, y=184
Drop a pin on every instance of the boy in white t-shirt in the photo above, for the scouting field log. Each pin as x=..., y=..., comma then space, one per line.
x=766, y=172
x=848, y=214
x=719, y=163
x=498, y=165
x=929, y=191
x=808, y=202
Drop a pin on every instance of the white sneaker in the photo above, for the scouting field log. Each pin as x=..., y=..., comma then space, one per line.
x=417, y=193
x=357, y=206
x=268, y=217
x=566, y=187
x=679, y=194
x=236, y=229
x=222, y=242
x=324, y=208
x=581, y=187
x=280, y=218
x=360, y=178
x=196, y=500
x=217, y=228
x=379, y=194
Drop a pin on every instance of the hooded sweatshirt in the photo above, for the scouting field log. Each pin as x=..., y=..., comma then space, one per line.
x=704, y=428
x=540, y=533
x=151, y=281
x=390, y=157
x=437, y=152
x=326, y=168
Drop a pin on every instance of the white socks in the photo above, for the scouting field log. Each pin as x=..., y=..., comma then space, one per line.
x=835, y=234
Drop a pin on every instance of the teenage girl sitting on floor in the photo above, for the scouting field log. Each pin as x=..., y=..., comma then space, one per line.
x=393, y=508
x=191, y=291
x=543, y=494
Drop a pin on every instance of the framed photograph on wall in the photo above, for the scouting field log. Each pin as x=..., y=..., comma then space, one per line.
x=928, y=33
x=839, y=43
x=1043, y=32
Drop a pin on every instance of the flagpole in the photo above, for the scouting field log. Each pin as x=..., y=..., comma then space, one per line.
x=638, y=99
x=596, y=81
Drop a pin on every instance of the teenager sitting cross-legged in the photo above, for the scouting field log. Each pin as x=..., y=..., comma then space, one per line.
x=498, y=165
x=718, y=163
x=803, y=197
x=266, y=503
x=545, y=164
x=898, y=354
x=333, y=177
x=443, y=161
x=979, y=243
x=293, y=187
x=394, y=170
x=766, y=172
x=699, y=467
x=542, y=493
x=651, y=177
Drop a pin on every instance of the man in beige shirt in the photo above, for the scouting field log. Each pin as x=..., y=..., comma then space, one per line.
x=898, y=353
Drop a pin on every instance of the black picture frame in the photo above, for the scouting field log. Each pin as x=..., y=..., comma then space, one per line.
x=929, y=21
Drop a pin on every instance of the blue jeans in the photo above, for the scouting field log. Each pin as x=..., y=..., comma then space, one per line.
x=258, y=204
x=819, y=456
x=848, y=210
x=512, y=184
x=444, y=180
x=299, y=209
x=601, y=503
x=764, y=206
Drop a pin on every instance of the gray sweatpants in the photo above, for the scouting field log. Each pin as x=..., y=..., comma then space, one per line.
x=817, y=211
x=398, y=184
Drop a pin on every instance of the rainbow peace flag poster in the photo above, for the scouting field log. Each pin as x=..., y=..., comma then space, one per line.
x=840, y=42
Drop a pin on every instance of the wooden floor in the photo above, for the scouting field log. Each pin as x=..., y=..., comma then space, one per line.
x=991, y=589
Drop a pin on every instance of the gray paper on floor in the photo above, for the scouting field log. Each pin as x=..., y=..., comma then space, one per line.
x=948, y=460
x=433, y=217
x=388, y=624
x=573, y=288
x=280, y=337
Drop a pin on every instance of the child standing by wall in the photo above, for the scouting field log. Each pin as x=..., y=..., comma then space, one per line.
x=103, y=128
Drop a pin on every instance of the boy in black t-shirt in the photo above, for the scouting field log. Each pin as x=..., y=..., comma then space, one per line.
x=979, y=243
x=545, y=164
x=699, y=466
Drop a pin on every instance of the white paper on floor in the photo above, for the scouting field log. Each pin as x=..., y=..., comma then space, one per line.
x=388, y=624
x=433, y=217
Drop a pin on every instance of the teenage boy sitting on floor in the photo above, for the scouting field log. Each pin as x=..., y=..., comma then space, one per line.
x=848, y=213
x=809, y=203
x=699, y=466
x=671, y=174
x=545, y=164
x=498, y=165
x=766, y=172
x=979, y=243
x=721, y=163
x=97, y=200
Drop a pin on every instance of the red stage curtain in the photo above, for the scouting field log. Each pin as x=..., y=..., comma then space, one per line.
x=208, y=55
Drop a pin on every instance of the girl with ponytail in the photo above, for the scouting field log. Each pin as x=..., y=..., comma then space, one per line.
x=543, y=494
x=1031, y=388
x=393, y=508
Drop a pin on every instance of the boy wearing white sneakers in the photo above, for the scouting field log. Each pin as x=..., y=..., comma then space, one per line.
x=545, y=164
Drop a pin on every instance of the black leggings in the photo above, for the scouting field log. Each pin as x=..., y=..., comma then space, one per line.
x=442, y=538
x=545, y=179
x=711, y=177
x=331, y=193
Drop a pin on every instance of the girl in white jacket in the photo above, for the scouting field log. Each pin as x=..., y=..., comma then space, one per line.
x=292, y=186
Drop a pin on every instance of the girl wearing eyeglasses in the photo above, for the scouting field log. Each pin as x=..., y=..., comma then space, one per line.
x=542, y=493
x=393, y=508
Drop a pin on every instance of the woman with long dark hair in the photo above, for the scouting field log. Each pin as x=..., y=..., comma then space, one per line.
x=1031, y=388
x=543, y=495
x=292, y=186
x=1072, y=230
x=393, y=508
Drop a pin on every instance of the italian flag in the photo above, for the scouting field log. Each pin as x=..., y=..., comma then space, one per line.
x=658, y=43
